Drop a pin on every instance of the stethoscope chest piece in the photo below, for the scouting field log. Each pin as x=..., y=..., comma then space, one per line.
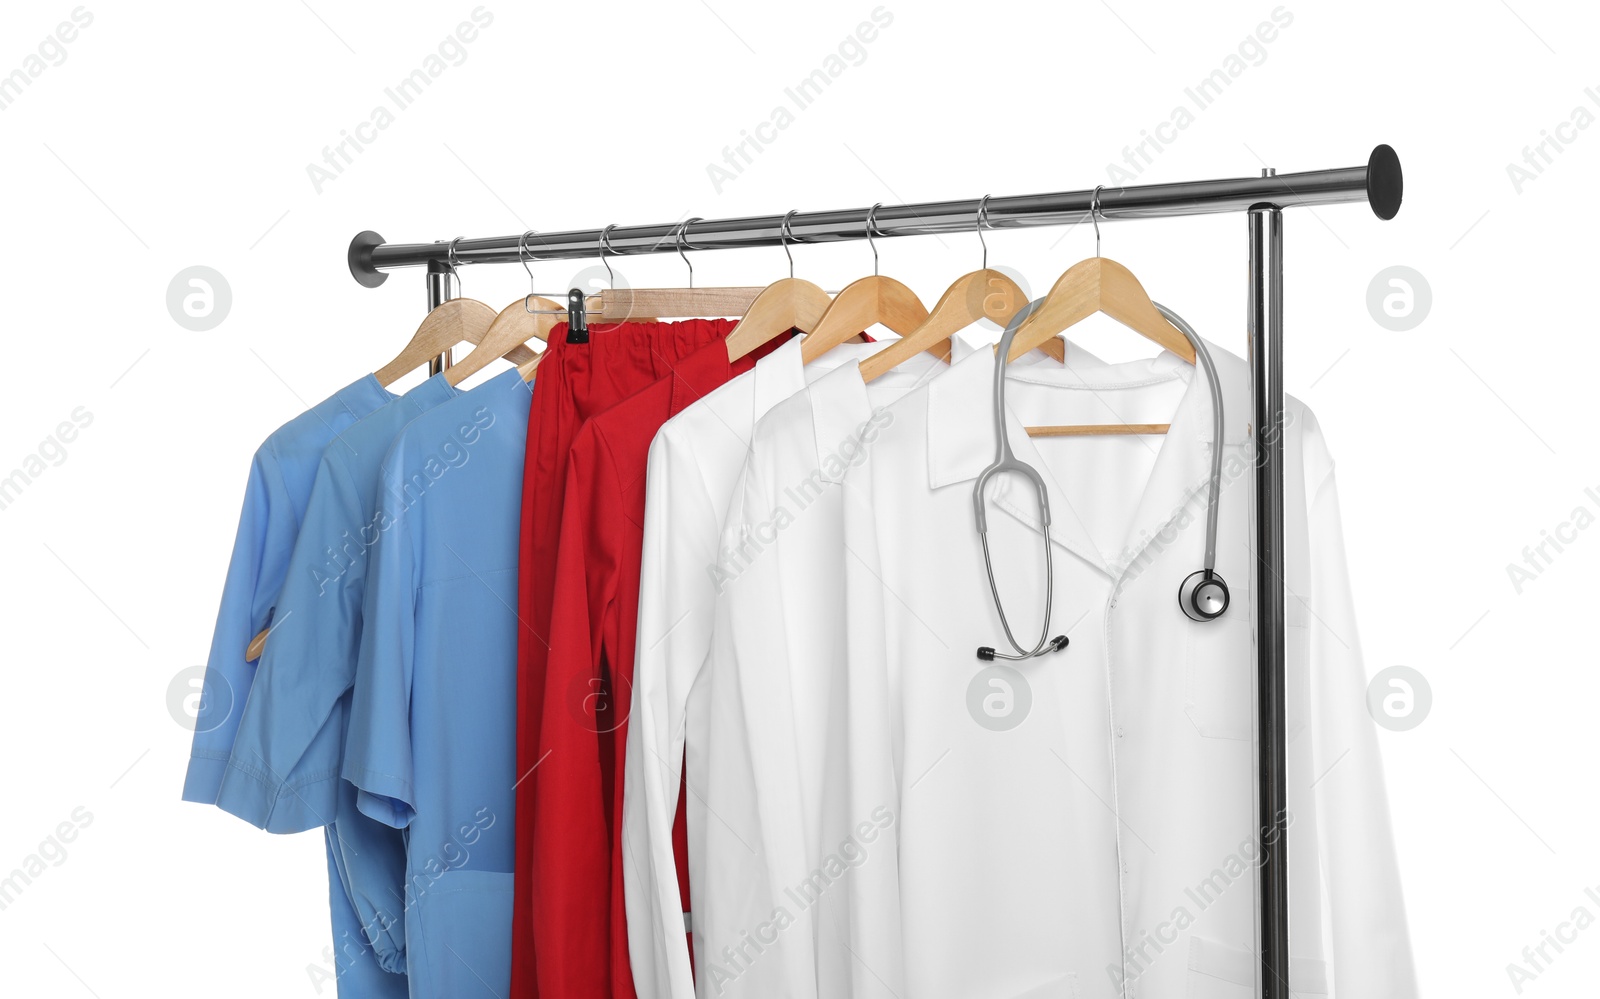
x=1203, y=595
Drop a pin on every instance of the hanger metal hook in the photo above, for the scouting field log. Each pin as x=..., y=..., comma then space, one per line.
x=605, y=244
x=522, y=250
x=455, y=264
x=982, y=224
x=872, y=230
x=1094, y=216
x=785, y=234
x=683, y=231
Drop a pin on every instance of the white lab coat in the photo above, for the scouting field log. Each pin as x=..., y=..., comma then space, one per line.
x=695, y=462
x=1103, y=845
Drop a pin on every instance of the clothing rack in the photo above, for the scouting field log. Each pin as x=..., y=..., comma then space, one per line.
x=1379, y=183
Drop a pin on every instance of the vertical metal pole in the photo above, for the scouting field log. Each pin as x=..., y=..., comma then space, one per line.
x=1266, y=378
x=441, y=289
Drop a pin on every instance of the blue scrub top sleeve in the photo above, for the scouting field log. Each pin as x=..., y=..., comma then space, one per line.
x=266, y=535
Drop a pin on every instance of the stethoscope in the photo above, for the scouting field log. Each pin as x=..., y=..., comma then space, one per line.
x=1203, y=595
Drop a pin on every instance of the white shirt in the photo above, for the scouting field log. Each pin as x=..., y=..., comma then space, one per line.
x=694, y=464
x=770, y=836
x=1081, y=823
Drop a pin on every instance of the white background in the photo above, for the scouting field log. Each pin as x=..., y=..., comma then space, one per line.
x=180, y=134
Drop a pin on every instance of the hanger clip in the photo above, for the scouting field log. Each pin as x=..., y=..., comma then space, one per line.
x=577, y=319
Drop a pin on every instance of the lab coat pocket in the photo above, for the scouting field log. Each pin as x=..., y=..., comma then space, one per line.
x=1219, y=972
x=462, y=922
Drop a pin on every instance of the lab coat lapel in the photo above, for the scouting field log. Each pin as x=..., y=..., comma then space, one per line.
x=1016, y=497
x=961, y=445
x=1172, y=508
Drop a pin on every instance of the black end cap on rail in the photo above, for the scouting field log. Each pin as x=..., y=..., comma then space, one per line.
x=360, y=257
x=1385, y=184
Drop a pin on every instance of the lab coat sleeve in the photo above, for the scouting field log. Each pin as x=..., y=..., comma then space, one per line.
x=1370, y=944
x=378, y=750
x=582, y=712
x=750, y=816
x=285, y=763
x=261, y=547
x=676, y=600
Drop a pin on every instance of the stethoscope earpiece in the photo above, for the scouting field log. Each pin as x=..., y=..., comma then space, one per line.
x=1056, y=644
x=1203, y=595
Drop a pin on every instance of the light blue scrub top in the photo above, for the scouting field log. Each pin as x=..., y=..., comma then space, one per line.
x=432, y=739
x=284, y=771
x=281, y=477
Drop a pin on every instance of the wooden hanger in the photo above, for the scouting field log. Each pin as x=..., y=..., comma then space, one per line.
x=1099, y=284
x=626, y=304
x=869, y=301
x=1100, y=430
x=257, y=645
x=982, y=294
x=514, y=326
x=789, y=303
x=460, y=320
x=526, y=369
x=863, y=303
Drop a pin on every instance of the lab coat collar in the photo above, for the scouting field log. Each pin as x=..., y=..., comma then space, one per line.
x=776, y=377
x=960, y=403
x=841, y=406
x=961, y=441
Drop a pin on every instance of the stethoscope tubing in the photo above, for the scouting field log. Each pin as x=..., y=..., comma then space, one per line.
x=1006, y=461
